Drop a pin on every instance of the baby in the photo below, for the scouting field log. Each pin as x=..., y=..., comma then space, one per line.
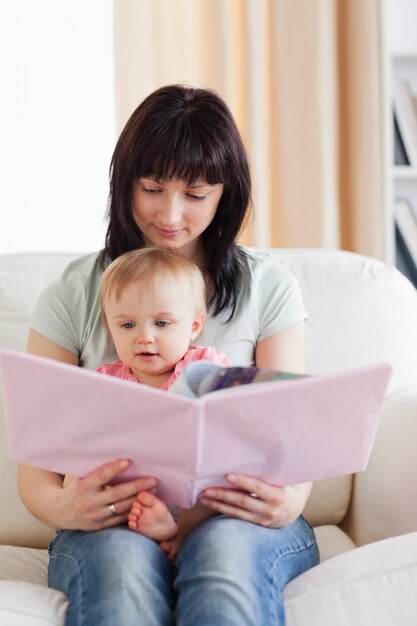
x=153, y=304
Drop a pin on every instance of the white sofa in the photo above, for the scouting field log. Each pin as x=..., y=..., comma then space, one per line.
x=361, y=311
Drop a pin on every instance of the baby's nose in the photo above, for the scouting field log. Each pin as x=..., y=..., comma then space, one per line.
x=145, y=337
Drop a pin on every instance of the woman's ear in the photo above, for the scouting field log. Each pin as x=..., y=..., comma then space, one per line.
x=198, y=325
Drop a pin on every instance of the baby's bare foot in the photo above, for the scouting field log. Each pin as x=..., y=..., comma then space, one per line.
x=150, y=516
x=171, y=548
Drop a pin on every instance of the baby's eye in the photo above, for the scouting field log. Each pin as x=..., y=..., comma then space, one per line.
x=161, y=323
x=128, y=325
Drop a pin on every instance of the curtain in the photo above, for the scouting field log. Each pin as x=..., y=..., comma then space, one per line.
x=303, y=79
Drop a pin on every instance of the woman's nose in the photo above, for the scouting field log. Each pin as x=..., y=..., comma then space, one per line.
x=170, y=213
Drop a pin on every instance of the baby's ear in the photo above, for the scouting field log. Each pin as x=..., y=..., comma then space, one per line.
x=198, y=325
x=105, y=322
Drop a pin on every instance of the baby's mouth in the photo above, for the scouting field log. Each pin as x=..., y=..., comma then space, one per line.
x=147, y=355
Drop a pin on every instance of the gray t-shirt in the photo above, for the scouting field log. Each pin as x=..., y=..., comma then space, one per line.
x=68, y=311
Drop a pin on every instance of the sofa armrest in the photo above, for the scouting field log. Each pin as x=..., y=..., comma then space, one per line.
x=23, y=603
x=374, y=584
x=383, y=502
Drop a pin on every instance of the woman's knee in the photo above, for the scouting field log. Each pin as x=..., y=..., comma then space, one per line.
x=220, y=542
x=235, y=546
x=235, y=568
x=109, y=557
x=112, y=577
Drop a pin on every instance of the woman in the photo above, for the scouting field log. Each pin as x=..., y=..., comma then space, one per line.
x=180, y=179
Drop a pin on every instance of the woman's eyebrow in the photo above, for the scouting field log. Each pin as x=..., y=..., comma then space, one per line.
x=199, y=184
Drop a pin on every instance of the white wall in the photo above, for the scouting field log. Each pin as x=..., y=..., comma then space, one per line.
x=401, y=25
x=57, y=128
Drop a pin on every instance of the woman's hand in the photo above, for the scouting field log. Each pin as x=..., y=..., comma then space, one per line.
x=253, y=500
x=92, y=504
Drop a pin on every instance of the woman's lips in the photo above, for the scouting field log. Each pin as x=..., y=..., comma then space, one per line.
x=164, y=232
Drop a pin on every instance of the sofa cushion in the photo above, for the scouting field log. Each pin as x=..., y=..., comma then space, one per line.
x=372, y=585
x=332, y=541
x=26, y=604
x=361, y=311
x=329, y=501
x=24, y=564
x=22, y=277
x=384, y=501
x=343, y=293
x=17, y=526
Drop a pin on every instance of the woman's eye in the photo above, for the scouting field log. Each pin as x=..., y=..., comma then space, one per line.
x=161, y=323
x=128, y=325
x=150, y=190
x=193, y=196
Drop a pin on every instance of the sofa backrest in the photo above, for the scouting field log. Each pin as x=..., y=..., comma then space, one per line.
x=360, y=311
x=22, y=277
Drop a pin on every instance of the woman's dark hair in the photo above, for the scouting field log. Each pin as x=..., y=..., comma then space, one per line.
x=189, y=134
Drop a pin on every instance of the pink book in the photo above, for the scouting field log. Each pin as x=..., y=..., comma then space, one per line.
x=294, y=429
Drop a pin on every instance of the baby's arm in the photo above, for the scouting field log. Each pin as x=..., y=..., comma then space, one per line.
x=187, y=521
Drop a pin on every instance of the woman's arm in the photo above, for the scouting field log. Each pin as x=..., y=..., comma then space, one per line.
x=83, y=504
x=284, y=351
x=41, y=346
x=255, y=500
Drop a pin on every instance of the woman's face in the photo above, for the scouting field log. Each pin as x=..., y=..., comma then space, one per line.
x=173, y=214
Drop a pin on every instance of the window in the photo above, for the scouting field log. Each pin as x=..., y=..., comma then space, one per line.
x=57, y=123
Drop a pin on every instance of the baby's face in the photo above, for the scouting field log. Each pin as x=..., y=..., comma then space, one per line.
x=152, y=326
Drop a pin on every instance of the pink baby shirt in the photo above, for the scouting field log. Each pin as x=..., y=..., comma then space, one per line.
x=194, y=353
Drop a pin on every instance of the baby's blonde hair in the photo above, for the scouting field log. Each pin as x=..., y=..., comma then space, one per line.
x=145, y=266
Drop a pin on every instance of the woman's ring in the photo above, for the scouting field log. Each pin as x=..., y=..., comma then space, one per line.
x=112, y=510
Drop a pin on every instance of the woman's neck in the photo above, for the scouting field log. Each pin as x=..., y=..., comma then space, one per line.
x=192, y=250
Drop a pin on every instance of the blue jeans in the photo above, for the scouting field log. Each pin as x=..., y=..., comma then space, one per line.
x=228, y=573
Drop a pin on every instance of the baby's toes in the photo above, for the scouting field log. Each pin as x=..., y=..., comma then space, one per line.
x=136, y=508
x=133, y=522
x=145, y=498
x=133, y=518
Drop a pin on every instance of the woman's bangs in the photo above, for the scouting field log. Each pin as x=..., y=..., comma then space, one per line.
x=183, y=158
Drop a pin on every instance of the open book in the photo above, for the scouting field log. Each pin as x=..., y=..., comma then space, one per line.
x=201, y=377
x=287, y=430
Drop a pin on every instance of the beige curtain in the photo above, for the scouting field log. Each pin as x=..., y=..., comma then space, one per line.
x=304, y=81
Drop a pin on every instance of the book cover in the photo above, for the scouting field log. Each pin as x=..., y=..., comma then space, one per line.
x=406, y=116
x=406, y=238
x=202, y=377
x=295, y=429
x=400, y=154
x=407, y=223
